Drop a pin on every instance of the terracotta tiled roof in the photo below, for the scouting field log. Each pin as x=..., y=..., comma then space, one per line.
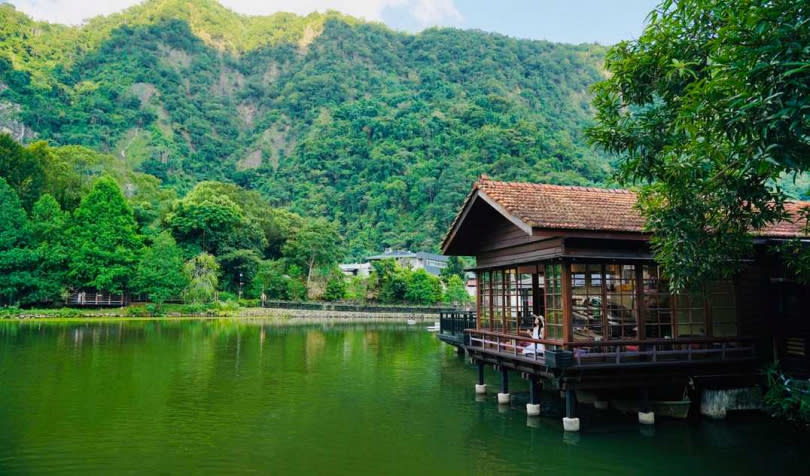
x=568, y=208
x=790, y=228
x=589, y=208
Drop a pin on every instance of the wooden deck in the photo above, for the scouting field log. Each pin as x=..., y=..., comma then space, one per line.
x=452, y=325
x=605, y=364
x=93, y=299
x=617, y=353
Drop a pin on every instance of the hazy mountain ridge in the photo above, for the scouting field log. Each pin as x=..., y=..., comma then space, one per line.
x=383, y=131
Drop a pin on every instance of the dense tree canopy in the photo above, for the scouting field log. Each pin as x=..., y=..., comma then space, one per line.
x=159, y=274
x=201, y=274
x=315, y=244
x=48, y=231
x=379, y=131
x=16, y=257
x=104, y=242
x=709, y=108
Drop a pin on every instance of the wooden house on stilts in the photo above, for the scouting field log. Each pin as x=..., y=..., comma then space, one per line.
x=579, y=257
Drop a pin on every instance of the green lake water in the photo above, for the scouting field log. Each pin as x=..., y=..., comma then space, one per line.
x=237, y=396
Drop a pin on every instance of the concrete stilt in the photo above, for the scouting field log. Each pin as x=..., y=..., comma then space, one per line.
x=570, y=422
x=480, y=387
x=646, y=416
x=533, y=407
x=503, y=397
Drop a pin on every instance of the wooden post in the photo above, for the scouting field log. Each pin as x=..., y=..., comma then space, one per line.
x=645, y=399
x=533, y=390
x=568, y=328
x=570, y=403
x=480, y=373
x=604, y=304
x=504, y=380
x=641, y=308
x=478, y=293
x=535, y=292
x=491, y=300
x=707, y=313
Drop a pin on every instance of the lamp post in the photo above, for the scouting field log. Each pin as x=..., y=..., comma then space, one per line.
x=240, y=285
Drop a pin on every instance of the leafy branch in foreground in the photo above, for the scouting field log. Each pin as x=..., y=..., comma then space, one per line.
x=708, y=109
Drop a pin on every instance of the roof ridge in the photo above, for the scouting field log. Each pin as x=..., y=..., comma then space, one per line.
x=484, y=180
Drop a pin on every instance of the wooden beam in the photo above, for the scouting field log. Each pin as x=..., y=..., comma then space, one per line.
x=565, y=277
x=604, y=304
x=503, y=211
x=478, y=291
x=458, y=221
x=641, y=308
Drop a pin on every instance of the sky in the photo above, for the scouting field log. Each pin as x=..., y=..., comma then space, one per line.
x=567, y=21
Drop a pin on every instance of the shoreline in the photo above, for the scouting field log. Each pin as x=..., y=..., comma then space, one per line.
x=277, y=314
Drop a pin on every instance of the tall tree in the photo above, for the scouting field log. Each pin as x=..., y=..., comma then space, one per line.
x=23, y=169
x=456, y=292
x=16, y=258
x=455, y=267
x=315, y=244
x=201, y=273
x=708, y=109
x=48, y=226
x=423, y=288
x=211, y=221
x=239, y=268
x=105, y=245
x=160, y=273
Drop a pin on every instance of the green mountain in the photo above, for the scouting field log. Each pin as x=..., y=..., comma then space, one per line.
x=325, y=114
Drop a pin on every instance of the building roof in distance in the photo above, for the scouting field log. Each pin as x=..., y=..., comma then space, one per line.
x=393, y=254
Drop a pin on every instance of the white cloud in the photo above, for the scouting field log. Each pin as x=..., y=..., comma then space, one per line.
x=424, y=12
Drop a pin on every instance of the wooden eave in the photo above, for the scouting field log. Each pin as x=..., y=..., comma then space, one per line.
x=470, y=202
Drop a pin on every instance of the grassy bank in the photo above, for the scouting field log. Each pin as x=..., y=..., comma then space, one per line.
x=220, y=309
x=133, y=311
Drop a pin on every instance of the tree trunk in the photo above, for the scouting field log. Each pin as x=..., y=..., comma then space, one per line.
x=309, y=273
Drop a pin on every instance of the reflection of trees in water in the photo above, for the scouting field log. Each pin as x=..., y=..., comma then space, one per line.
x=315, y=344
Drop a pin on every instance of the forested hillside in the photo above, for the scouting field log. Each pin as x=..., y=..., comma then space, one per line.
x=329, y=116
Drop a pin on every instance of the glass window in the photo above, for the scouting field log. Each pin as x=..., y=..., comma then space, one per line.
x=526, y=300
x=512, y=296
x=553, y=295
x=657, y=304
x=691, y=312
x=621, y=308
x=496, y=319
x=484, y=300
x=723, y=309
x=586, y=301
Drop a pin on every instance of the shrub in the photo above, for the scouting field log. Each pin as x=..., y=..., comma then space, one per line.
x=786, y=398
x=335, y=288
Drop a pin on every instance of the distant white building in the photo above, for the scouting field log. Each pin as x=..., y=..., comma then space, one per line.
x=471, y=284
x=432, y=263
x=362, y=270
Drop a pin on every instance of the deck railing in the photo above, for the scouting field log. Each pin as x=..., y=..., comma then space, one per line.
x=456, y=322
x=96, y=299
x=612, y=353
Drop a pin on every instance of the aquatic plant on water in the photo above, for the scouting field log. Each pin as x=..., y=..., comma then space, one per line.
x=787, y=398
